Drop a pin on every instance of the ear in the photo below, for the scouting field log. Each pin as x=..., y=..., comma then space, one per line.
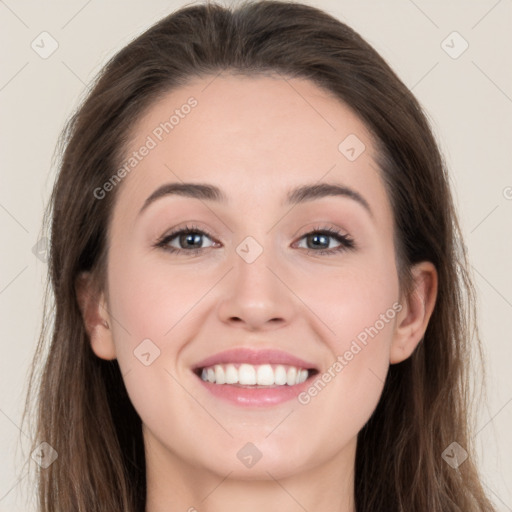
x=412, y=321
x=95, y=316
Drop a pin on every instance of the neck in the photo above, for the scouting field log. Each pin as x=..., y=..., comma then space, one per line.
x=175, y=485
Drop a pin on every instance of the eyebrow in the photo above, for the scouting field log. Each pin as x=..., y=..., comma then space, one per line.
x=301, y=194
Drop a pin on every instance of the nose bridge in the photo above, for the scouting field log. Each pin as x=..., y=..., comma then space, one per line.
x=256, y=293
x=257, y=250
x=253, y=261
x=252, y=264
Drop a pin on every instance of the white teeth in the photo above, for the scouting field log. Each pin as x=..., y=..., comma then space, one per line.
x=231, y=374
x=292, y=374
x=280, y=375
x=247, y=374
x=265, y=375
x=250, y=375
x=219, y=374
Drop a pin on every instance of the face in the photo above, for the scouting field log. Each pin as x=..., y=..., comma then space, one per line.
x=262, y=285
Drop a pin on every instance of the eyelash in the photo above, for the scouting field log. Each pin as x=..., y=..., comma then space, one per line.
x=346, y=242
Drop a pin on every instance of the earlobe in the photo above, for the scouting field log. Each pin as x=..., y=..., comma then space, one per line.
x=95, y=316
x=417, y=309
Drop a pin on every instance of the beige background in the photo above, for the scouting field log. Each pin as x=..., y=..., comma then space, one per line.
x=469, y=101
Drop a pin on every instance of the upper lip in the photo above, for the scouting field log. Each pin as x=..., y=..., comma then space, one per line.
x=252, y=356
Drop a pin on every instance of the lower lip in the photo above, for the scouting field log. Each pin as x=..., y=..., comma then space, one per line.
x=255, y=397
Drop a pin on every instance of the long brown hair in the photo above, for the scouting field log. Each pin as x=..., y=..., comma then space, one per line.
x=80, y=403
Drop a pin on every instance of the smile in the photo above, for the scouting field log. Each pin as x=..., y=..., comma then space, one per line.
x=246, y=374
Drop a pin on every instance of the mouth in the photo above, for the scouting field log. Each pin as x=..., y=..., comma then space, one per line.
x=254, y=378
x=261, y=376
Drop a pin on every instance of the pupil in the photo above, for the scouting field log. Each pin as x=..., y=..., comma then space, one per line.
x=317, y=237
x=191, y=238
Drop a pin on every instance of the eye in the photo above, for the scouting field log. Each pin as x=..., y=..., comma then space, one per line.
x=188, y=240
x=317, y=241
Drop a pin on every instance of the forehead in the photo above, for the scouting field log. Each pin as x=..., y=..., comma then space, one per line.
x=254, y=137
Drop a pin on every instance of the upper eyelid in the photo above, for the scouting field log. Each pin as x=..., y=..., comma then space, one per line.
x=205, y=231
x=329, y=230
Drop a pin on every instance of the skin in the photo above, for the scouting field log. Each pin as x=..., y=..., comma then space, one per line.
x=255, y=138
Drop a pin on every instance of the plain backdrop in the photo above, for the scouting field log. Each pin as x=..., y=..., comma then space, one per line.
x=467, y=93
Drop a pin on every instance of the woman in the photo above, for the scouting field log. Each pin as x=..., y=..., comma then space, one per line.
x=261, y=292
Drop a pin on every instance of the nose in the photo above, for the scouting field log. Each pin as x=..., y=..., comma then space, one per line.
x=256, y=295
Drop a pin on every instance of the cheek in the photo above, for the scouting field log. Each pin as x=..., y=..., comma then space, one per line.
x=154, y=319
x=358, y=309
x=157, y=310
x=151, y=300
x=346, y=393
x=352, y=298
